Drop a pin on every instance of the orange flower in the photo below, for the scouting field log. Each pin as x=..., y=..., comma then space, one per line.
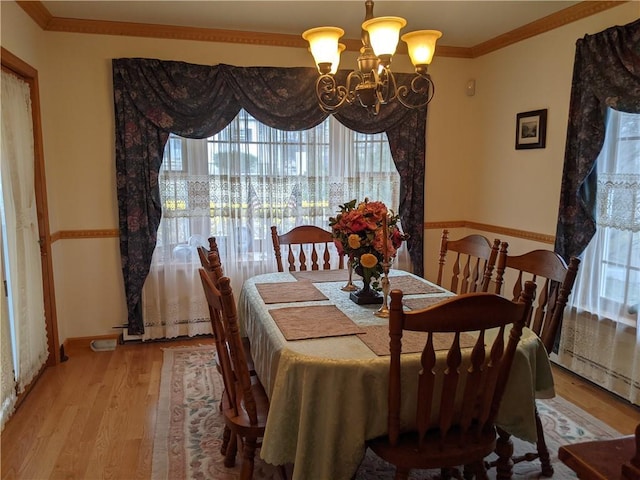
x=368, y=260
x=354, y=241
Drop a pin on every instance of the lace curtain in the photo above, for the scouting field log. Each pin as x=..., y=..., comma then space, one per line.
x=617, y=202
x=600, y=337
x=235, y=186
x=24, y=347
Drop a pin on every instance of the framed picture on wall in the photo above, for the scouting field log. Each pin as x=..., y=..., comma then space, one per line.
x=531, y=129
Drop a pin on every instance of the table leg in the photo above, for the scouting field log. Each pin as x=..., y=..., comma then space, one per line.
x=504, y=450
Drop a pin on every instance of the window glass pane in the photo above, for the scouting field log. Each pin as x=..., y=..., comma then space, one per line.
x=629, y=157
x=617, y=250
x=614, y=282
x=634, y=288
x=252, y=177
x=173, y=154
x=628, y=147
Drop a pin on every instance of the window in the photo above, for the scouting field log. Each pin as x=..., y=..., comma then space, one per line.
x=614, y=281
x=235, y=186
x=238, y=183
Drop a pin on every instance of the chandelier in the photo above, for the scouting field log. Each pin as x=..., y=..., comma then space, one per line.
x=372, y=84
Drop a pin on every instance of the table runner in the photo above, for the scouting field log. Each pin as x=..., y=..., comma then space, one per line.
x=302, y=323
x=324, y=275
x=377, y=339
x=286, y=292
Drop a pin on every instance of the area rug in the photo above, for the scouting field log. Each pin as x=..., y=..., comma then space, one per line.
x=189, y=428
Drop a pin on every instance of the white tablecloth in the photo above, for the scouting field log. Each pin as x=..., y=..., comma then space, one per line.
x=329, y=395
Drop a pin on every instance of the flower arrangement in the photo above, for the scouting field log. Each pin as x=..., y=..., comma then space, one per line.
x=359, y=232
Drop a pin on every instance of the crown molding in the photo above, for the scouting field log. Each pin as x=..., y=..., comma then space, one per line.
x=39, y=13
x=545, y=24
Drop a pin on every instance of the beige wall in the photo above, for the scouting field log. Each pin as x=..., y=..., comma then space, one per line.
x=473, y=151
x=473, y=171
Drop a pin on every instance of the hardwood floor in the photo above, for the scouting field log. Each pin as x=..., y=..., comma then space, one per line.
x=615, y=412
x=94, y=415
x=90, y=417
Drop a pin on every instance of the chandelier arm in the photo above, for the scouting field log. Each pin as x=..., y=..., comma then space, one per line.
x=421, y=85
x=354, y=79
x=389, y=85
x=331, y=96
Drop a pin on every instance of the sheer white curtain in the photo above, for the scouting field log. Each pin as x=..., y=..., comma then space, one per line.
x=235, y=186
x=600, y=337
x=24, y=328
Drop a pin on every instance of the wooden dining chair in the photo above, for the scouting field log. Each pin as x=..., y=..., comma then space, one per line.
x=554, y=280
x=222, y=359
x=245, y=404
x=458, y=392
x=304, y=244
x=204, y=253
x=214, y=269
x=473, y=257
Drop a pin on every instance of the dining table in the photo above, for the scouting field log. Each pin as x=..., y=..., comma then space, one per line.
x=324, y=362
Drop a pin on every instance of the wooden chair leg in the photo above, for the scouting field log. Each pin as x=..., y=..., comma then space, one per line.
x=468, y=472
x=504, y=450
x=283, y=472
x=248, y=453
x=448, y=473
x=543, y=451
x=232, y=450
x=401, y=473
x=480, y=471
x=226, y=436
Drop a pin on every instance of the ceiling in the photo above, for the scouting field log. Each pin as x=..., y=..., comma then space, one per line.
x=463, y=23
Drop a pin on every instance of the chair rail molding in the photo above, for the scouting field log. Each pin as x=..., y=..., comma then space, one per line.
x=76, y=234
x=512, y=232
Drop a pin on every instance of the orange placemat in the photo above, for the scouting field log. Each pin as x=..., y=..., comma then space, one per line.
x=377, y=339
x=300, y=323
x=323, y=275
x=420, y=303
x=285, y=292
x=411, y=285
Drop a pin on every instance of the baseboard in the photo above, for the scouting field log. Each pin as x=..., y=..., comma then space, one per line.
x=613, y=395
x=86, y=341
